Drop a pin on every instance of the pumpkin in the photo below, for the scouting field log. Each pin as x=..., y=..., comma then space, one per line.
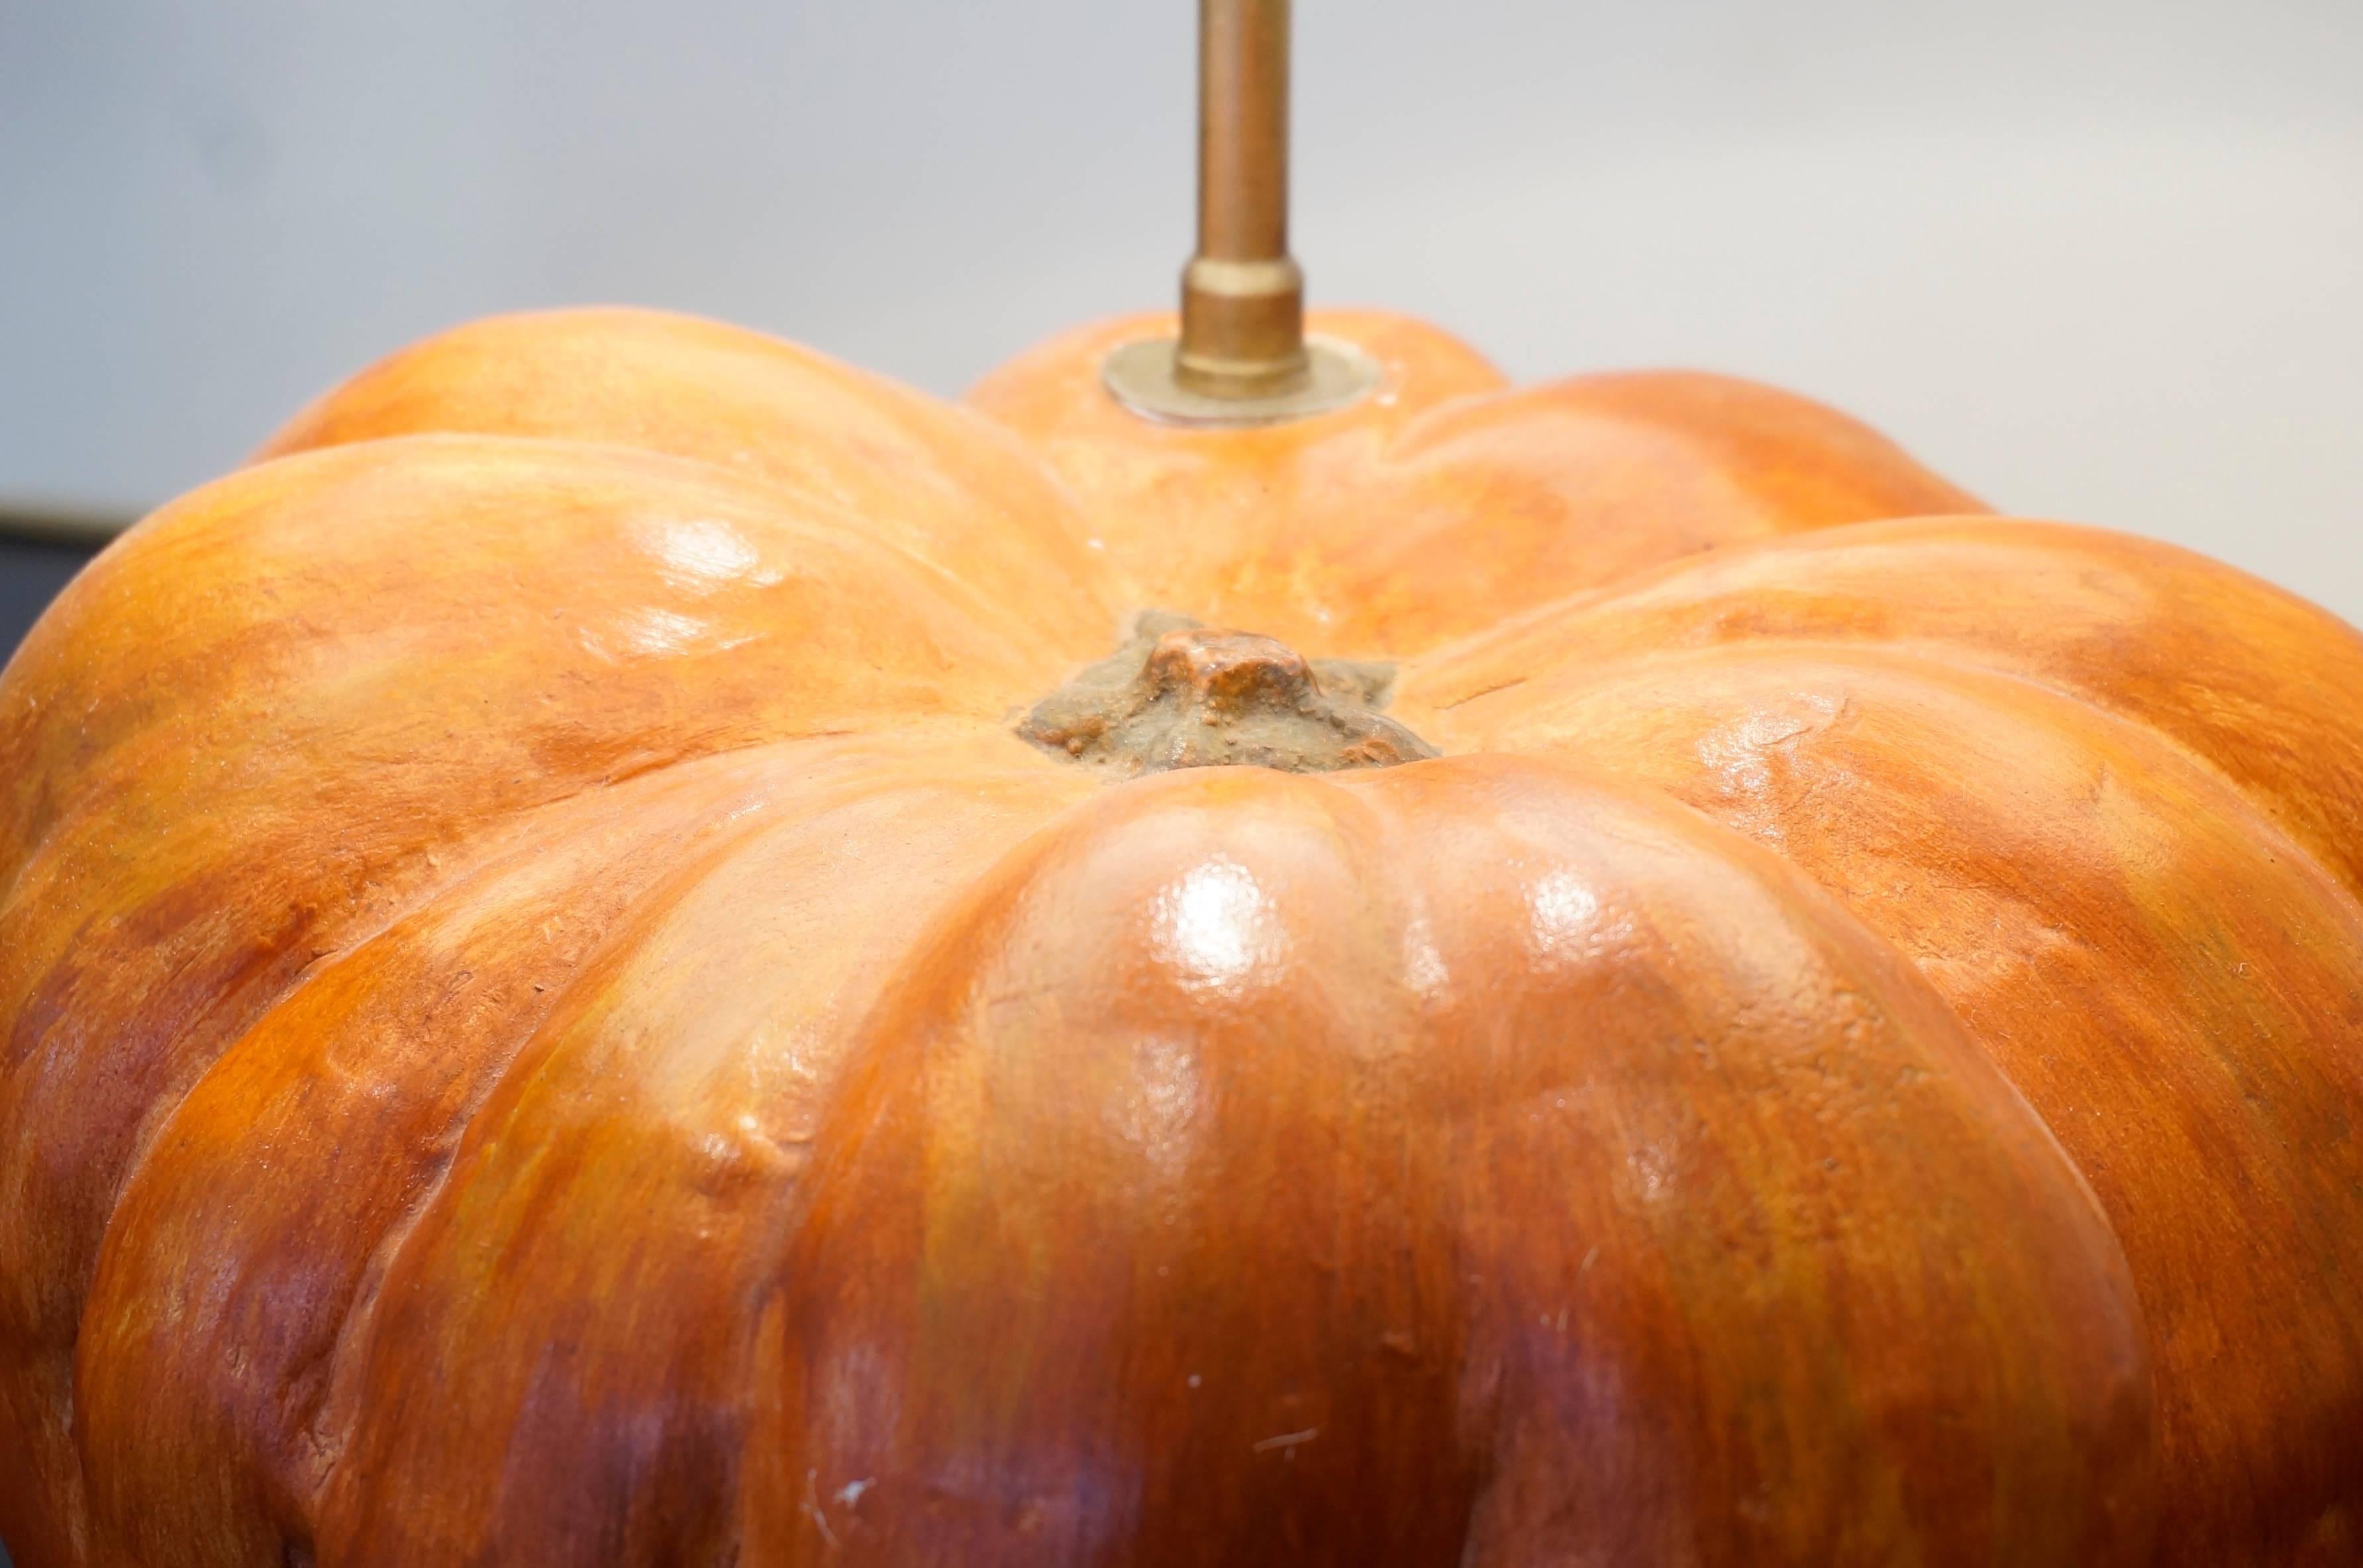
x=637, y=947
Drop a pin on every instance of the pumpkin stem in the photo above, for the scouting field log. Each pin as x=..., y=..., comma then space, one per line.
x=1178, y=694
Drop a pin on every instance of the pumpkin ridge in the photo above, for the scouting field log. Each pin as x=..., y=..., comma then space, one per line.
x=1617, y=403
x=1648, y=398
x=363, y=1510
x=1503, y=638
x=2267, y=1084
x=813, y=515
x=1940, y=664
x=124, y=574
x=1428, y=510
x=2290, y=785
x=787, y=418
x=510, y=843
x=333, y=1421
x=118, y=1129
x=1053, y=1228
x=698, y=808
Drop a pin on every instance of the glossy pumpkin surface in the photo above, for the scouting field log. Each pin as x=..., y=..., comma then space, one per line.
x=554, y=1017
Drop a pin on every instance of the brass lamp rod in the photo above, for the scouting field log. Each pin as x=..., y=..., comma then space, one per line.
x=1242, y=294
x=1243, y=357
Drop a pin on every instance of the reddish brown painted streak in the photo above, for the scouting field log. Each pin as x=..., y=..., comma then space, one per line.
x=553, y=1016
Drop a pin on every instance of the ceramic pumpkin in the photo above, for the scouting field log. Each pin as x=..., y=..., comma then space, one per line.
x=637, y=947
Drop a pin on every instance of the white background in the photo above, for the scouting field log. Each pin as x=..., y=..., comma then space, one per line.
x=2094, y=258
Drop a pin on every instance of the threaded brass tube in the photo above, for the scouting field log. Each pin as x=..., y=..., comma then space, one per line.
x=1242, y=358
x=1242, y=294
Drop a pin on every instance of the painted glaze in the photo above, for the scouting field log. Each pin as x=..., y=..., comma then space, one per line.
x=552, y=1017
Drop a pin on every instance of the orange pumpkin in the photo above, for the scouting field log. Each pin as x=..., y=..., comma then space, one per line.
x=587, y=982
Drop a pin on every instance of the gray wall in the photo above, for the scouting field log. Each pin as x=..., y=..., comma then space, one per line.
x=2096, y=258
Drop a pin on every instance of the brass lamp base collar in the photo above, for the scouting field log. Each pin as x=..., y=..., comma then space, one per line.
x=1144, y=376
